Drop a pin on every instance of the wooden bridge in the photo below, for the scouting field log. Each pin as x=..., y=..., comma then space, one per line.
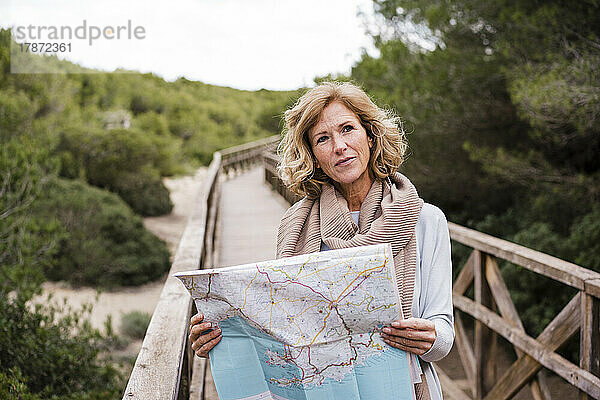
x=235, y=222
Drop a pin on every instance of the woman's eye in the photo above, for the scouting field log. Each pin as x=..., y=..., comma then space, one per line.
x=347, y=128
x=321, y=139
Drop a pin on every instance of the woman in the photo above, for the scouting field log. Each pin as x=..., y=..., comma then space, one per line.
x=342, y=152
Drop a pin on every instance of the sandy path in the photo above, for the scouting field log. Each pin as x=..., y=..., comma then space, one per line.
x=183, y=192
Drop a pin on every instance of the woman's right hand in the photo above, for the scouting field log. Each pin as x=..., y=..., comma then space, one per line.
x=201, y=338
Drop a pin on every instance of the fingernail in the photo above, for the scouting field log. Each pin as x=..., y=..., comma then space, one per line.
x=396, y=324
x=387, y=330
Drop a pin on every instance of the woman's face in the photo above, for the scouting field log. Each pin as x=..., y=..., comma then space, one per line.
x=340, y=145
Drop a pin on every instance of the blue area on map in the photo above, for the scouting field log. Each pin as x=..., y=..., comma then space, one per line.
x=239, y=369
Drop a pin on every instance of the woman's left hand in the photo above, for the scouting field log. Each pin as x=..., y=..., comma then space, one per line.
x=415, y=335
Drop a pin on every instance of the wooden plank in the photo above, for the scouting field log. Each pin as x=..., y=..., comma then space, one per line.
x=542, y=378
x=465, y=276
x=157, y=370
x=465, y=351
x=485, y=339
x=449, y=387
x=210, y=390
x=562, y=327
x=589, y=356
x=198, y=374
x=509, y=312
x=576, y=376
x=544, y=264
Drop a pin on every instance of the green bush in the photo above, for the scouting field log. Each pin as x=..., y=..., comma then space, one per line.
x=42, y=354
x=134, y=324
x=16, y=113
x=144, y=192
x=151, y=122
x=103, y=242
x=123, y=161
x=14, y=386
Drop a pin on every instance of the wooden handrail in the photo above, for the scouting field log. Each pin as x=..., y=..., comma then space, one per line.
x=541, y=263
x=260, y=144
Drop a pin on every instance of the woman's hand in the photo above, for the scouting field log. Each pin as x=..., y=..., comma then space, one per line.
x=203, y=340
x=415, y=335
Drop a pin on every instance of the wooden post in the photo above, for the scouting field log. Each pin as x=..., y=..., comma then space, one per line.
x=485, y=338
x=589, y=343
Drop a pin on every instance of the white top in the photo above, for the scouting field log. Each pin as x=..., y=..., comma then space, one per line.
x=432, y=298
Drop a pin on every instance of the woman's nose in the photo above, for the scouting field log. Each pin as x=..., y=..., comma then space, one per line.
x=339, y=144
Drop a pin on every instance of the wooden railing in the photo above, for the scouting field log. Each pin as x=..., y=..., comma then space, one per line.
x=580, y=315
x=166, y=369
x=239, y=158
x=270, y=161
x=490, y=294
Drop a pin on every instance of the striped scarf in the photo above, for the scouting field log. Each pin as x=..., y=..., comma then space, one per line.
x=388, y=214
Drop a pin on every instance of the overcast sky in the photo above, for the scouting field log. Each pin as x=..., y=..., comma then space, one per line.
x=246, y=44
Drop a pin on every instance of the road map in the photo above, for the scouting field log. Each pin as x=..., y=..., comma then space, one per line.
x=305, y=327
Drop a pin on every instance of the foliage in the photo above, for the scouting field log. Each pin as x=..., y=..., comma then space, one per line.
x=14, y=386
x=103, y=243
x=135, y=323
x=127, y=162
x=49, y=350
x=584, y=240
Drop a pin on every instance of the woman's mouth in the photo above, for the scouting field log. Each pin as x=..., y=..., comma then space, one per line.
x=344, y=161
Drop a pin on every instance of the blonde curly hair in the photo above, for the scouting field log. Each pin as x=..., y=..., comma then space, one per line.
x=297, y=166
